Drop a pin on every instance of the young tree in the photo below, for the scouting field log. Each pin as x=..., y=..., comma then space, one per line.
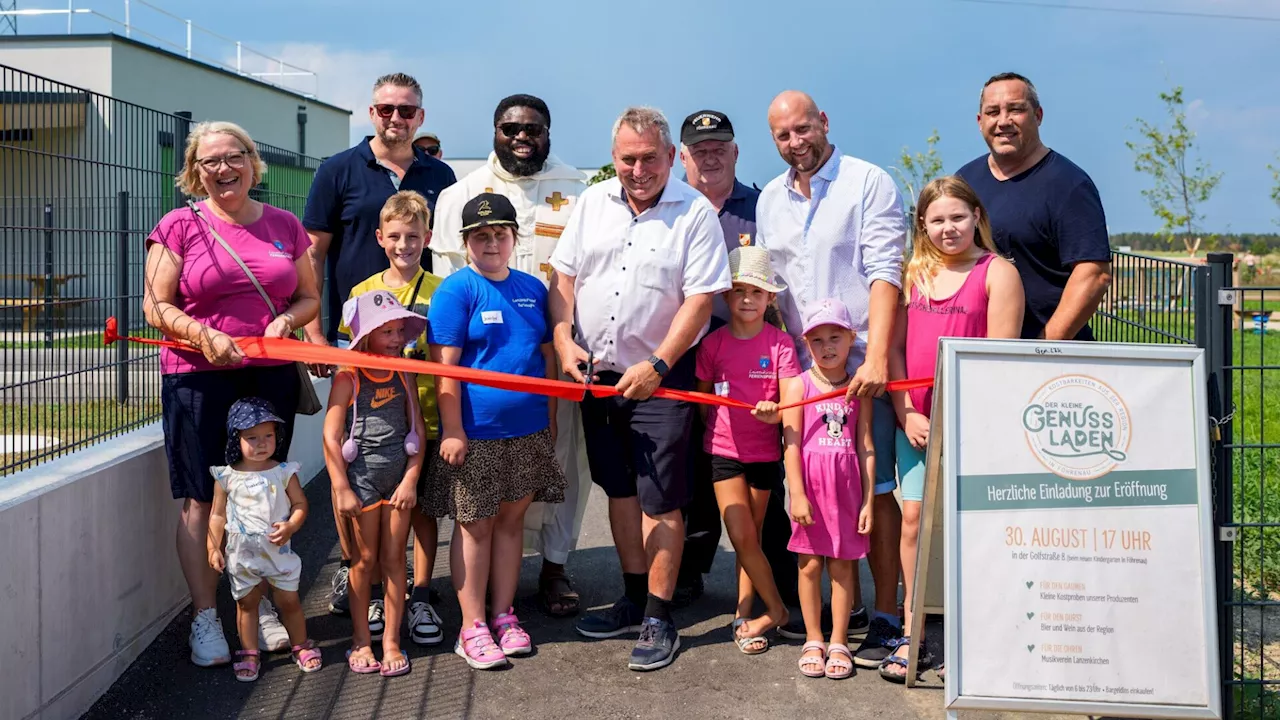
x=916, y=172
x=1275, y=175
x=605, y=173
x=1180, y=184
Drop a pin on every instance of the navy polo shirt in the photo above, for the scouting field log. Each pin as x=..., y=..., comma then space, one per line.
x=1046, y=219
x=738, y=221
x=347, y=194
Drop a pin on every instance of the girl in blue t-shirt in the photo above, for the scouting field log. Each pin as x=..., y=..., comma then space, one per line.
x=497, y=447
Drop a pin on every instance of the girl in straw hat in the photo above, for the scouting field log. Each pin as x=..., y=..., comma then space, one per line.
x=751, y=361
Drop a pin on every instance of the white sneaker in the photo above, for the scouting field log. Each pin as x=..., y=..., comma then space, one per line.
x=424, y=624
x=272, y=637
x=376, y=621
x=208, y=644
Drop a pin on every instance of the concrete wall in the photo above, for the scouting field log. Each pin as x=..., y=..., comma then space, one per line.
x=83, y=62
x=89, y=576
x=154, y=78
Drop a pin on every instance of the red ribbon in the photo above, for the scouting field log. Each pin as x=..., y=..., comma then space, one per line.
x=298, y=351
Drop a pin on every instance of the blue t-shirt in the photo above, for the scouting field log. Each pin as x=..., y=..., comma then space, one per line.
x=500, y=326
x=1046, y=219
x=345, y=200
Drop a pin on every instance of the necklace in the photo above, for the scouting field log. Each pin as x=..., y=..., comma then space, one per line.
x=819, y=376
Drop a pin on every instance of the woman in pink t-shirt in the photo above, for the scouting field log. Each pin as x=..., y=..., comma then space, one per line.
x=956, y=285
x=751, y=361
x=195, y=291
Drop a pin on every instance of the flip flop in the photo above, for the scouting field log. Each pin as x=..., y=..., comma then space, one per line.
x=745, y=643
x=397, y=673
x=373, y=667
x=810, y=661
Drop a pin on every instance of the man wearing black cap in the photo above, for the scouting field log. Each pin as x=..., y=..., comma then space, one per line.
x=710, y=158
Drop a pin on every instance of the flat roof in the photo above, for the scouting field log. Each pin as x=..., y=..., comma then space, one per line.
x=113, y=37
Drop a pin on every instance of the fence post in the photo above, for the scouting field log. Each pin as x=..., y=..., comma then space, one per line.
x=122, y=295
x=180, y=132
x=1214, y=326
x=48, y=275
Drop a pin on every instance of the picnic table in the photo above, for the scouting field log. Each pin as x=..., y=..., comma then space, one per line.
x=42, y=294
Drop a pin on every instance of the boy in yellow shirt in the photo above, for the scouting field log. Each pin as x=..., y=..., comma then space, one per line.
x=403, y=234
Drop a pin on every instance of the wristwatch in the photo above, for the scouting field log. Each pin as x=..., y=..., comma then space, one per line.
x=659, y=365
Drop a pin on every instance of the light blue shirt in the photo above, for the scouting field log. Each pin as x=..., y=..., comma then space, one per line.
x=833, y=245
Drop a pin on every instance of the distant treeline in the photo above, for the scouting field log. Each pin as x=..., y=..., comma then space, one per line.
x=1257, y=243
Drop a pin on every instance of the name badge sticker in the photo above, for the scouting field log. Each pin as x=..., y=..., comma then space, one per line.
x=722, y=389
x=491, y=317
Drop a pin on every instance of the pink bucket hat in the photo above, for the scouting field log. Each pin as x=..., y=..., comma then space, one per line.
x=827, y=312
x=365, y=313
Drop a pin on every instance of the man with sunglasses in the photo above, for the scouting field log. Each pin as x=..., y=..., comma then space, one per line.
x=430, y=144
x=341, y=218
x=545, y=192
x=350, y=188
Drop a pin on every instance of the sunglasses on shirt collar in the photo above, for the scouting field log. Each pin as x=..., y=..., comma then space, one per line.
x=512, y=129
x=407, y=112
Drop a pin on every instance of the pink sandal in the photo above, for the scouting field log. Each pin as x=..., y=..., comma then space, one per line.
x=305, y=653
x=373, y=666
x=476, y=646
x=839, y=668
x=511, y=637
x=814, y=667
x=252, y=662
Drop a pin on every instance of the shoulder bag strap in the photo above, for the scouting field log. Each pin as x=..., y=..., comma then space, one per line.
x=227, y=246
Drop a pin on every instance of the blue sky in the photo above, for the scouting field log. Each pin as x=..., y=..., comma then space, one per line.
x=886, y=72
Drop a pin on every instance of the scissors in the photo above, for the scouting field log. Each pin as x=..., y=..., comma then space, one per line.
x=588, y=368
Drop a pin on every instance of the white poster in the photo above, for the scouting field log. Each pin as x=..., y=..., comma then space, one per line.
x=1077, y=510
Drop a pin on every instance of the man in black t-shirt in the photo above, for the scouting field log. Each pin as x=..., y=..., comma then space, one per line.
x=1045, y=213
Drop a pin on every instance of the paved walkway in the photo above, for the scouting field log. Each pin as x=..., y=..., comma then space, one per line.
x=569, y=676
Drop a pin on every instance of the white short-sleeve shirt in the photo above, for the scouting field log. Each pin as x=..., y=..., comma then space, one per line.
x=633, y=272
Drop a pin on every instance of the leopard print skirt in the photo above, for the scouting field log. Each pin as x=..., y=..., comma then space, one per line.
x=494, y=472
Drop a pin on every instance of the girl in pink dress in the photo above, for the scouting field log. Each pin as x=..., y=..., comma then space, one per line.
x=830, y=466
x=955, y=286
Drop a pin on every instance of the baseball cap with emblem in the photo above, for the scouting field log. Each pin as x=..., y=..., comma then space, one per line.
x=488, y=209
x=706, y=125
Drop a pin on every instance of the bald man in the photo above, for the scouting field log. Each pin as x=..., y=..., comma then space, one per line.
x=834, y=228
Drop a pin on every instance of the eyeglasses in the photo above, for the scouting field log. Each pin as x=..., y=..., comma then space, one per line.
x=235, y=161
x=533, y=130
x=407, y=112
x=431, y=149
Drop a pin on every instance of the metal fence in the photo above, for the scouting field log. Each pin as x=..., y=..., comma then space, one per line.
x=1170, y=301
x=83, y=179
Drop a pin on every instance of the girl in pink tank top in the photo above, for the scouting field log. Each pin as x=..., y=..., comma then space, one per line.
x=955, y=285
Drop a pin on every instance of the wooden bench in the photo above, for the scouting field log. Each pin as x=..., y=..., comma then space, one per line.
x=31, y=308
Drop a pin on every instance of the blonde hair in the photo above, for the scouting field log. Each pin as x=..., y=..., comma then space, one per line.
x=926, y=258
x=406, y=205
x=188, y=178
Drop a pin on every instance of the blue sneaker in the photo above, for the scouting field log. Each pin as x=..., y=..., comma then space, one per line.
x=657, y=646
x=618, y=619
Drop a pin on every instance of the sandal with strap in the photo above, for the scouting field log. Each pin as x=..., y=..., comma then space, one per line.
x=810, y=666
x=749, y=644
x=556, y=595
x=304, y=654
x=251, y=663
x=893, y=659
x=839, y=668
x=477, y=647
x=511, y=637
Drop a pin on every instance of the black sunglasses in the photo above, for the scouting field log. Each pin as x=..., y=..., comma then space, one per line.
x=431, y=149
x=512, y=129
x=407, y=112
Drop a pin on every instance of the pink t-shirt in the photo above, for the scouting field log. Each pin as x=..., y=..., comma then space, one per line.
x=746, y=370
x=212, y=288
x=962, y=315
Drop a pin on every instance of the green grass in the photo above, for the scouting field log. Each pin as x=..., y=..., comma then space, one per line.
x=1256, y=471
x=76, y=425
x=1254, y=702
x=79, y=341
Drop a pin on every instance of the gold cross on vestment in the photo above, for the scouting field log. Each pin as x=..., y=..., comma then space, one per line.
x=557, y=201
